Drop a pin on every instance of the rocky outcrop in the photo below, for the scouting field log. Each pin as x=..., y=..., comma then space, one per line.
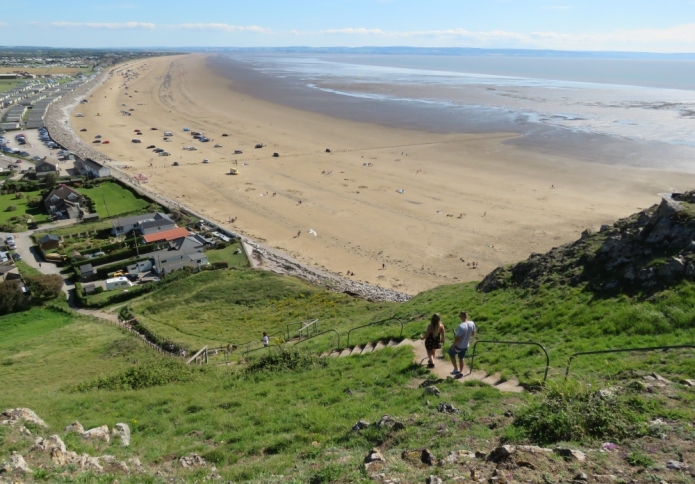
x=13, y=415
x=122, y=432
x=648, y=251
x=16, y=465
x=75, y=427
x=98, y=433
x=191, y=461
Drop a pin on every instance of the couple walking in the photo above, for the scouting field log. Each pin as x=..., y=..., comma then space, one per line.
x=436, y=335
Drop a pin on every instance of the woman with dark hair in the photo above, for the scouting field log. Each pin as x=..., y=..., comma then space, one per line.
x=434, y=338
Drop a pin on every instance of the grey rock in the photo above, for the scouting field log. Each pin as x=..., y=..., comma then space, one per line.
x=434, y=480
x=374, y=456
x=192, y=461
x=428, y=457
x=17, y=464
x=360, y=425
x=688, y=383
x=444, y=407
x=432, y=390
x=122, y=431
x=675, y=465
x=13, y=415
x=75, y=427
x=577, y=455
x=387, y=421
x=534, y=449
x=581, y=477
x=98, y=433
x=605, y=228
x=501, y=453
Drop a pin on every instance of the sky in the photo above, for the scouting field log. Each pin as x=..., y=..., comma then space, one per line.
x=619, y=25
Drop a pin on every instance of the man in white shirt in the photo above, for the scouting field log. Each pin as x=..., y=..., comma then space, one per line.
x=462, y=340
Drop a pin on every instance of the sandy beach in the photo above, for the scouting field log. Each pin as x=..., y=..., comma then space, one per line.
x=401, y=209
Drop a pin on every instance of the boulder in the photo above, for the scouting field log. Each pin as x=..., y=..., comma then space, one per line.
x=388, y=422
x=122, y=431
x=52, y=442
x=113, y=464
x=432, y=390
x=444, y=407
x=13, y=415
x=84, y=462
x=374, y=456
x=570, y=454
x=75, y=427
x=501, y=453
x=17, y=464
x=360, y=425
x=434, y=480
x=581, y=477
x=98, y=433
x=191, y=461
x=58, y=457
x=676, y=466
x=428, y=458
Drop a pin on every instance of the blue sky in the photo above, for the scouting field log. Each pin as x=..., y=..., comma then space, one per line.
x=630, y=25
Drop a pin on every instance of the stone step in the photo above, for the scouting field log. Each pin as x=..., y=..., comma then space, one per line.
x=393, y=343
x=406, y=342
x=324, y=354
x=369, y=347
x=334, y=354
x=476, y=375
x=357, y=350
x=510, y=386
x=492, y=379
x=379, y=346
x=345, y=352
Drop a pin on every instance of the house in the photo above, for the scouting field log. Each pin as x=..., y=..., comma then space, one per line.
x=167, y=235
x=124, y=225
x=141, y=266
x=160, y=223
x=48, y=242
x=188, y=254
x=64, y=200
x=91, y=168
x=43, y=168
x=9, y=272
x=118, y=283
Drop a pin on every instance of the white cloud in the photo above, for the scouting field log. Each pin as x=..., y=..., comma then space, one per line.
x=224, y=28
x=677, y=38
x=107, y=25
x=3, y=24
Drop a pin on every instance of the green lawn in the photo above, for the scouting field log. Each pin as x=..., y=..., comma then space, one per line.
x=228, y=255
x=37, y=213
x=25, y=269
x=111, y=199
x=6, y=85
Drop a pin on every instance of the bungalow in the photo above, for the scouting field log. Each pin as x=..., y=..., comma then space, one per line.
x=64, y=200
x=182, y=253
x=48, y=242
x=150, y=221
x=91, y=168
x=43, y=168
x=167, y=235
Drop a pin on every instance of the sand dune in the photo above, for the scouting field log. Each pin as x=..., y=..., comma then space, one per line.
x=465, y=198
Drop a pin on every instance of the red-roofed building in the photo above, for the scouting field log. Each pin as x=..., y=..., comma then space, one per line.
x=166, y=235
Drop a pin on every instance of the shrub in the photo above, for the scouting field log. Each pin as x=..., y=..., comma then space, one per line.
x=11, y=298
x=45, y=286
x=290, y=359
x=19, y=195
x=34, y=202
x=639, y=459
x=152, y=374
x=573, y=412
x=11, y=208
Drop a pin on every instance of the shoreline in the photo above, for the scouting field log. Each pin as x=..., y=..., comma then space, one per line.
x=464, y=199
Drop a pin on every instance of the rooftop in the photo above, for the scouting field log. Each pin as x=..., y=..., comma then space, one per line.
x=167, y=235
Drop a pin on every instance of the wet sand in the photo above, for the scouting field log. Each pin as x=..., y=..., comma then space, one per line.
x=466, y=197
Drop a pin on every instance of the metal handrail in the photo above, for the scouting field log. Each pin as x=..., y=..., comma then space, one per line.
x=192, y=358
x=243, y=355
x=547, y=358
x=249, y=343
x=400, y=320
x=319, y=334
x=625, y=350
x=287, y=326
x=314, y=323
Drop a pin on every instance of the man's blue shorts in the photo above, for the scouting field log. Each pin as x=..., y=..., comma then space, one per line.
x=461, y=353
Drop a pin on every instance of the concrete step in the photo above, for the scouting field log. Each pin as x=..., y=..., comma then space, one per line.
x=379, y=346
x=476, y=375
x=334, y=354
x=492, y=379
x=369, y=347
x=407, y=342
x=393, y=343
x=510, y=386
x=357, y=350
x=345, y=352
x=324, y=354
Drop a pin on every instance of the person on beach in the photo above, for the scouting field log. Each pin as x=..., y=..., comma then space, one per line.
x=434, y=338
x=464, y=333
x=266, y=339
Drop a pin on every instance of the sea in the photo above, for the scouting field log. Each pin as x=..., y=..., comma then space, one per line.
x=638, y=112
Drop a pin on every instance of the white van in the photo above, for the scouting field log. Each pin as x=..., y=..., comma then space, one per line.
x=168, y=133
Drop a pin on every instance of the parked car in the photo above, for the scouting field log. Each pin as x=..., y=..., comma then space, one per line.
x=136, y=140
x=16, y=256
x=98, y=136
x=206, y=160
x=225, y=134
x=164, y=153
x=151, y=147
x=176, y=163
x=105, y=142
x=158, y=150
